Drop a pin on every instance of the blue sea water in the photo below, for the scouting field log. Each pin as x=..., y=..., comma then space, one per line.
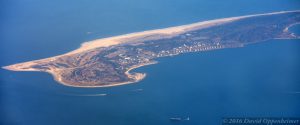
x=260, y=80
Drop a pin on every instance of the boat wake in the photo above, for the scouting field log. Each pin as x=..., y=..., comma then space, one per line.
x=100, y=94
x=293, y=92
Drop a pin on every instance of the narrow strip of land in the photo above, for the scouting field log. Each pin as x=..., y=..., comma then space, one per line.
x=107, y=62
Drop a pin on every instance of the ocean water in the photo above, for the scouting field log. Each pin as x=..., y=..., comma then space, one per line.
x=259, y=80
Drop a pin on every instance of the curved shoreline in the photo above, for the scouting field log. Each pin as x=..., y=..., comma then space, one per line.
x=127, y=38
x=121, y=39
x=136, y=79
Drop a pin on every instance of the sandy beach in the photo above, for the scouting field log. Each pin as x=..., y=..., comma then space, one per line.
x=137, y=77
x=110, y=41
x=123, y=39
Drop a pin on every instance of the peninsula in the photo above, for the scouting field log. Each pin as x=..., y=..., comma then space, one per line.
x=108, y=61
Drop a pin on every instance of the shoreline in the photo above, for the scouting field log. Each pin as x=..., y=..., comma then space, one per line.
x=113, y=84
x=128, y=38
x=58, y=79
x=122, y=39
x=173, y=30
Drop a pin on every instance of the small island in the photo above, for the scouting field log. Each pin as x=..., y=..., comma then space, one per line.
x=108, y=61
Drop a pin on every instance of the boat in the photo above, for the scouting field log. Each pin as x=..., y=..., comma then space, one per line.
x=187, y=119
